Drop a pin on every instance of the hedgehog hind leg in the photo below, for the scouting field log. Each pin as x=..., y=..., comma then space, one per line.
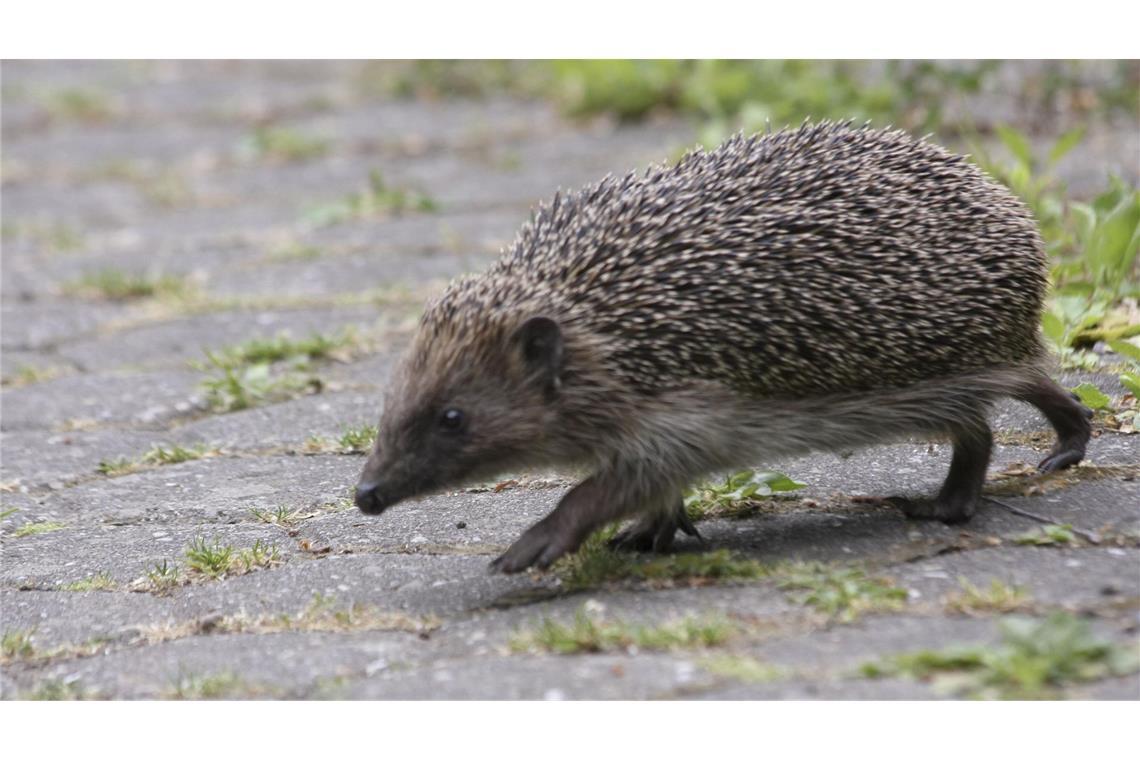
x=655, y=531
x=958, y=498
x=1067, y=415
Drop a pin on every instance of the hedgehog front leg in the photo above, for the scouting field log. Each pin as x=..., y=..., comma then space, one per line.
x=596, y=501
x=584, y=508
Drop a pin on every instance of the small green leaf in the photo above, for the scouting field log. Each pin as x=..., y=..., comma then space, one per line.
x=1017, y=143
x=1131, y=382
x=1126, y=349
x=1111, y=251
x=1091, y=396
x=1065, y=143
x=778, y=481
x=1085, y=217
x=1053, y=328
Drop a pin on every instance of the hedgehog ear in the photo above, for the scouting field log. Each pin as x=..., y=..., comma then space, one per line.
x=540, y=340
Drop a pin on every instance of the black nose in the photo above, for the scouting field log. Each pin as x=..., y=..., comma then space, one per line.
x=368, y=499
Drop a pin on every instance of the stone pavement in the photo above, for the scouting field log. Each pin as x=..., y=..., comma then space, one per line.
x=250, y=189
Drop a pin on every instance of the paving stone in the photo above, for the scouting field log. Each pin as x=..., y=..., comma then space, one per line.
x=103, y=399
x=82, y=196
x=50, y=460
x=176, y=342
x=42, y=324
x=290, y=423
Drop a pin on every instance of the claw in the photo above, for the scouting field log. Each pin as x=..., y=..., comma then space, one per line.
x=1060, y=460
x=687, y=527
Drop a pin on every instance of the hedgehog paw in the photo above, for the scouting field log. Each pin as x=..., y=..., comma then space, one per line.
x=951, y=509
x=539, y=547
x=1060, y=457
x=655, y=532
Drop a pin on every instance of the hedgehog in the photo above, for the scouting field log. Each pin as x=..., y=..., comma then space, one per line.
x=821, y=288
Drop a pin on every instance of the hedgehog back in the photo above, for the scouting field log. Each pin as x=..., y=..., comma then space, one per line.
x=810, y=261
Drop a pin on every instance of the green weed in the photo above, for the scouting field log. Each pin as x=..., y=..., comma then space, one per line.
x=358, y=440
x=285, y=144
x=841, y=593
x=1035, y=659
x=212, y=560
x=174, y=455
x=233, y=389
x=282, y=515
x=1092, y=397
x=218, y=560
x=747, y=669
x=1048, y=535
x=34, y=529
x=225, y=685
x=163, y=577
x=596, y=564
x=54, y=237
x=98, y=582
x=113, y=468
x=1093, y=247
x=284, y=347
x=588, y=634
x=997, y=597
x=26, y=374
x=295, y=252
x=117, y=285
x=58, y=690
x=734, y=495
x=378, y=199
x=257, y=556
x=17, y=645
x=270, y=369
x=75, y=104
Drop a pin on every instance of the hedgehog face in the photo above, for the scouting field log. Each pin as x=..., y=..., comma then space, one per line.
x=461, y=411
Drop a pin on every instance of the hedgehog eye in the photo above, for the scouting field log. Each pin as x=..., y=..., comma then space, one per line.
x=451, y=420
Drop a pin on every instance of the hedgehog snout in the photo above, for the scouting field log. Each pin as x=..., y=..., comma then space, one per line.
x=370, y=498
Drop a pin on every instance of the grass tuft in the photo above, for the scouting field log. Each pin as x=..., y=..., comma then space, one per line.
x=162, y=578
x=747, y=669
x=99, y=582
x=117, y=285
x=17, y=645
x=212, y=560
x=596, y=564
x=270, y=369
x=588, y=634
x=174, y=455
x=225, y=685
x=377, y=199
x=34, y=529
x=841, y=593
x=285, y=144
x=1035, y=659
x=216, y=560
x=113, y=468
x=998, y=597
x=1047, y=535
x=358, y=440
